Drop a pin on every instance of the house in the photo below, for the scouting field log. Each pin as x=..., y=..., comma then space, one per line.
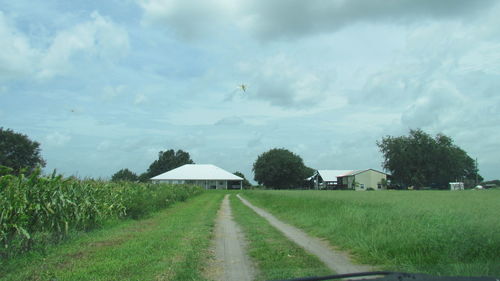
x=350, y=179
x=204, y=175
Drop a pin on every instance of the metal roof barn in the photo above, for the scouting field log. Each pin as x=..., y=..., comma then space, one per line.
x=331, y=175
x=205, y=175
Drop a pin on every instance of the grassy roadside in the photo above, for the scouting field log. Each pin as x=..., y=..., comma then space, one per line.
x=170, y=245
x=437, y=232
x=275, y=256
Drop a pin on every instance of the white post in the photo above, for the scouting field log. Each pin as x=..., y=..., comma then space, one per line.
x=241, y=185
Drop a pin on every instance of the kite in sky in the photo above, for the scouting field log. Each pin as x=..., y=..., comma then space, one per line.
x=243, y=87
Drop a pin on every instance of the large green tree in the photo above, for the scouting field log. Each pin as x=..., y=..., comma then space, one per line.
x=124, y=175
x=280, y=168
x=168, y=160
x=18, y=152
x=245, y=183
x=422, y=160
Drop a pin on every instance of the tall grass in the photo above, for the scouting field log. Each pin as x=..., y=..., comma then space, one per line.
x=437, y=232
x=38, y=209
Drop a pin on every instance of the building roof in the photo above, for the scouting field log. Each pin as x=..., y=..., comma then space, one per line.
x=356, y=172
x=331, y=175
x=197, y=172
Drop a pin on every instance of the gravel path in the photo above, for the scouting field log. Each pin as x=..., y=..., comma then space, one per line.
x=231, y=261
x=335, y=260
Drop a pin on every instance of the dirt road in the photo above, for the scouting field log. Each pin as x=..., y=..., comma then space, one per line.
x=231, y=261
x=335, y=260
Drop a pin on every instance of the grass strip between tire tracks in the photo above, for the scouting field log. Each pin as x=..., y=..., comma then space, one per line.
x=275, y=256
x=170, y=245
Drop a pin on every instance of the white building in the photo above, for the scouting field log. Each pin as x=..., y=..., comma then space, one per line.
x=456, y=186
x=204, y=175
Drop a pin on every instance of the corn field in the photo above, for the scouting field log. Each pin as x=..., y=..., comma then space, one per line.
x=36, y=206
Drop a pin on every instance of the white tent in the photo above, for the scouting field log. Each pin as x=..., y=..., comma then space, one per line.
x=205, y=175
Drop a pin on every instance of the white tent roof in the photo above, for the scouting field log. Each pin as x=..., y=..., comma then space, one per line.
x=197, y=172
x=331, y=175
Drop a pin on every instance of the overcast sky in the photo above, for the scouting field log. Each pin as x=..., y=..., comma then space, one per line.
x=106, y=85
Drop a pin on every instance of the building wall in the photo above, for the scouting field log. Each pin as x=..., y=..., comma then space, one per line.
x=369, y=179
x=207, y=184
x=348, y=180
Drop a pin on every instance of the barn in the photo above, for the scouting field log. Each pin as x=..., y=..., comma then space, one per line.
x=350, y=179
x=205, y=175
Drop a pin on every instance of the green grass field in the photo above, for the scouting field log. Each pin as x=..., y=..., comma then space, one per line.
x=172, y=244
x=437, y=232
x=275, y=255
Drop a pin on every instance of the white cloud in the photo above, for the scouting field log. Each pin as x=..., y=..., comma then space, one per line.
x=98, y=37
x=283, y=82
x=104, y=145
x=57, y=139
x=16, y=55
x=110, y=92
x=140, y=98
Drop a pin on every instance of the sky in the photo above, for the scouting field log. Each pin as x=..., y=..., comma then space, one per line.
x=106, y=85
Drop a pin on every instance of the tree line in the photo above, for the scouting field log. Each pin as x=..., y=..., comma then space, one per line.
x=417, y=159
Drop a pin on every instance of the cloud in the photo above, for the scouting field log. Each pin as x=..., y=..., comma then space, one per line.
x=57, y=139
x=17, y=55
x=104, y=145
x=188, y=18
x=283, y=82
x=21, y=57
x=110, y=92
x=269, y=20
x=98, y=37
x=140, y=98
x=435, y=105
x=230, y=121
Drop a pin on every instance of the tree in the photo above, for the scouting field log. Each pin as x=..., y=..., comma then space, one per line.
x=144, y=177
x=308, y=171
x=246, y=183
x=421, y=160
x=124, y=175
x=168, y=160
x=18, y=152
x=279, y=168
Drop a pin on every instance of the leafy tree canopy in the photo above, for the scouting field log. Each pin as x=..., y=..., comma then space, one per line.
x=124, y=175
x=168, y=160
x=280, y=168
x=18, y=152
x=246, y=183
x=144, y=177
x=421, y=160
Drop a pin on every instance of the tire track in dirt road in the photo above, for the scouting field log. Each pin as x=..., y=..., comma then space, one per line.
x=333, y=259
x=231, y=261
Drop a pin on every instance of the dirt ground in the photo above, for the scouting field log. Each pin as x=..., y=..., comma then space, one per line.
x=231, y=261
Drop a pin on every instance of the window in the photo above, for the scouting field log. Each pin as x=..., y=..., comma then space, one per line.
x=362, y=186
x=379, y=186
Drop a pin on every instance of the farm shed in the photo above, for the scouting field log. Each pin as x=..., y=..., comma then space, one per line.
x=350, y=179
x=327, y=179
x=204, y=175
